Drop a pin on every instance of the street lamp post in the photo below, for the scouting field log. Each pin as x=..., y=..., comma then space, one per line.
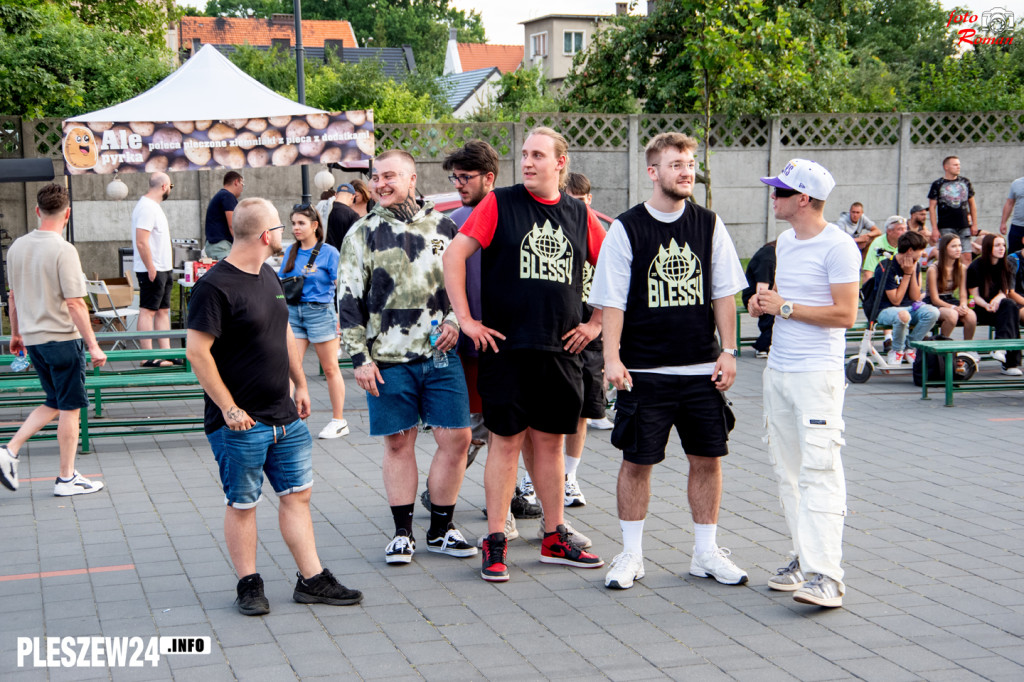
x=300, y=73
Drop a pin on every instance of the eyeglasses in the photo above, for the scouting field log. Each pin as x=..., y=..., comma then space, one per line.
x=279, y=227
x=677, y=166
x=462, y=178
x=780, y=193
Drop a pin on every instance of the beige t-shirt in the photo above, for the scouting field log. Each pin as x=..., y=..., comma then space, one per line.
x=45, y=270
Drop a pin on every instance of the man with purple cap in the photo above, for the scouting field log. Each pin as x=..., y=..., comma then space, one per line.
x=814, y=301
x=342, y=216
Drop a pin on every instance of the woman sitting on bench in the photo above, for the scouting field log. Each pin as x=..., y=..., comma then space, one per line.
x=990, y=282
x=946, y=278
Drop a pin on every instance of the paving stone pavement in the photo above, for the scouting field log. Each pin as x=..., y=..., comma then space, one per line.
x=933, y=552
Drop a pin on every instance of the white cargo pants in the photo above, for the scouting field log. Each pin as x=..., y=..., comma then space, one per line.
x=804, y=416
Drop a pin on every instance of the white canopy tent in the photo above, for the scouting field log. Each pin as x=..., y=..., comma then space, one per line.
x=206, y=87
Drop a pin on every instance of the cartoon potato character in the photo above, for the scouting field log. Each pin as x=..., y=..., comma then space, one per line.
x=81, y=149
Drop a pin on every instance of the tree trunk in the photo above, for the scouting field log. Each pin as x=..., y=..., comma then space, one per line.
x=707, y=141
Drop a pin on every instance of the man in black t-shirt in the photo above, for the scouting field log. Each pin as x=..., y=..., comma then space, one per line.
x=237, y=329
x=342, y=216
x=761, y=277
x=219, y=215
x=951, y=206
x=901, y=307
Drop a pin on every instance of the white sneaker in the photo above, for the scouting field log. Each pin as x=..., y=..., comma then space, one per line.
x=336, y=428
x=78, y=485
x=574, y=536
x=602, y=424
x=573, y=494
x=998, y=355
x=894, y=357
x=511, y=532
x=526, y=486
x=761, y=355
x=8, y=469
x=1012, y=371
x=626, y=567
x=717, y=565
x=910, y=355
x=400, y=549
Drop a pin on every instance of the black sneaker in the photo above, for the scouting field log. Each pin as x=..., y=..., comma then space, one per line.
x=324, y=589
x=251, y=601
x=494, y=568
x=886, y=346
x=522, y=508
x=451, y=543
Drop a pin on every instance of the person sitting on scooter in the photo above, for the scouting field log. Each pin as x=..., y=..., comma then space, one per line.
x=902, y=306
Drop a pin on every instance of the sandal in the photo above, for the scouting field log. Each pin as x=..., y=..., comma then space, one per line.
x=157, y=362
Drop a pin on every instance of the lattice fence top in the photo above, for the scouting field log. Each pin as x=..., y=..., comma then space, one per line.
x=586, y=132
x=839, y=130
x=10, y=137
x=943, y=128
x=46, y=137
x=425, y=141
x=745, y=132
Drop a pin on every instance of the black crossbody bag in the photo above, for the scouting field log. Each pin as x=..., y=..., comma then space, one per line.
x=293, y=286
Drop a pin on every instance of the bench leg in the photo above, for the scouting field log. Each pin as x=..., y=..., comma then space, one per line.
x=924, y=375
x=949, y=379
x=97, y=395
x=84, y=430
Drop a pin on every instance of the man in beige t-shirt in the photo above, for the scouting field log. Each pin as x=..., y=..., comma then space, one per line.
x=48, y=321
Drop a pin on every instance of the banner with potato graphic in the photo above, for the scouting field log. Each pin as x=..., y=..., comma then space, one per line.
x=147, y=146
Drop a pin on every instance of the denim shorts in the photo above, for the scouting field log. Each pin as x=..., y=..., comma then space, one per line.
x=283, y=453
x=314, y=321
x=417, y=390
x=60, y=366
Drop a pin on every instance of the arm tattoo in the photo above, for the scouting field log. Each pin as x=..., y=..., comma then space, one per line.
x=234, y=414
x=406, y=210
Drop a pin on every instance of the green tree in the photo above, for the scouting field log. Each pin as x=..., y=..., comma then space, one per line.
x=147, y=18
x=54, y=64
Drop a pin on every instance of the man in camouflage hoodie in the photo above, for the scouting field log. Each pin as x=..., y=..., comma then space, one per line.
x=393, y=288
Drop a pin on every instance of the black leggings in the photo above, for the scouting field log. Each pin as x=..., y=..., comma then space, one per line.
x=1006, y=321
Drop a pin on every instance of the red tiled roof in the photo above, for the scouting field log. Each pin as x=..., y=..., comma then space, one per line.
x=481, y=56
x=259, y=32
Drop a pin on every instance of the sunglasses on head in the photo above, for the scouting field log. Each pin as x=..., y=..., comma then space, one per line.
x=785, y=193
x=301, y=207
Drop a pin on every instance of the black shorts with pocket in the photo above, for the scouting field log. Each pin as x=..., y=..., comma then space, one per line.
x=525, y=388
x=155, y=294
x=644, y=417
x=594, y=399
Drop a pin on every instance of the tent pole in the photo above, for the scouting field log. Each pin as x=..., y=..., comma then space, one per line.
x=300, y=73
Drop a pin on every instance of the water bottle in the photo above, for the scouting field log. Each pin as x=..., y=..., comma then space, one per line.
x=970, y=302
x=440, y=357
x=21, y=363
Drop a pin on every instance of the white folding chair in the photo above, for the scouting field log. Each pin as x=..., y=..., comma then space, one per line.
x=114, y=318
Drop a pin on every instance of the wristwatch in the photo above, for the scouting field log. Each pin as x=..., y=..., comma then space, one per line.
x=785, y=310
x=731, y=351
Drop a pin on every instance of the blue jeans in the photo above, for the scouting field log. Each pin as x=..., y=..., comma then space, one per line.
x=922, y=320
x=417, y=390
x=283, y=453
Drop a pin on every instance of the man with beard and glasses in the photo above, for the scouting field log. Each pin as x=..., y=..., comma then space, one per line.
x=153, y=262
x=393, y=289
x=666, y=280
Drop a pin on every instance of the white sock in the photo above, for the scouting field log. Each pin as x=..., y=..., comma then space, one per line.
x=632, y=536
x=526, y=478
x=704, y=537
x=570, y=467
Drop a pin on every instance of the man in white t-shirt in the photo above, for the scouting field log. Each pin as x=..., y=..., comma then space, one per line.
x=151, y=240
x=814, y=300
x=666, y=281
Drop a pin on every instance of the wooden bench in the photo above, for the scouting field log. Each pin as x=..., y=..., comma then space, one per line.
x=112, y=387
x=947, y=350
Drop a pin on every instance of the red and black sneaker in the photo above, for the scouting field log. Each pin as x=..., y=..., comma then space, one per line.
x=556, y=549
x=494, y=549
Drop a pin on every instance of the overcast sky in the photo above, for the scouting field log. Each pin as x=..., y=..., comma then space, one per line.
x=501, y=19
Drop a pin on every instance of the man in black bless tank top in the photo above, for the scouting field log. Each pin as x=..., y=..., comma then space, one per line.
x=535, y=239
x=666, y=282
